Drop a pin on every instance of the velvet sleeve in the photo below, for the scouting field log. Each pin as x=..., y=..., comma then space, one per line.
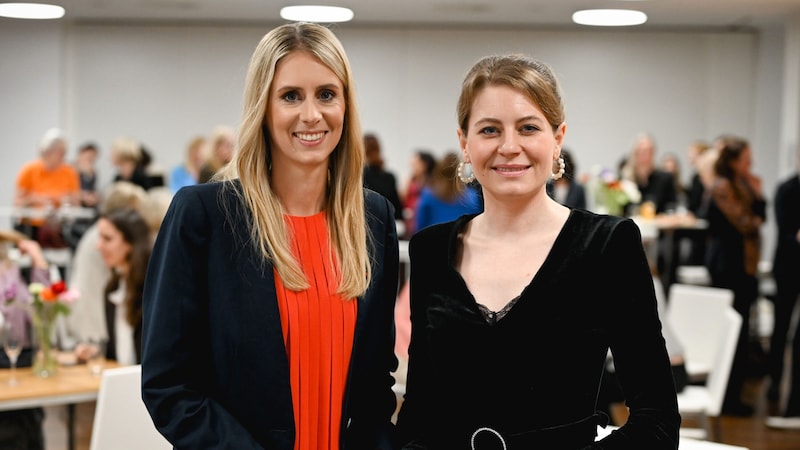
x=640, y=356
x=416, y=413
x=175, y=367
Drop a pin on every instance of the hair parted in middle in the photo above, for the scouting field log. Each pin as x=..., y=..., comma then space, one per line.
x=529, y=76
x=252, y=162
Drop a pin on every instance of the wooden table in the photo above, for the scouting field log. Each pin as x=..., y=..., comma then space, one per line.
x=71, y=385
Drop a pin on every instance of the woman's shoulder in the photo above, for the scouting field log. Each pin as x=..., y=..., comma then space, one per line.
x=592, y=225
x=439, y=233
x=209, y=198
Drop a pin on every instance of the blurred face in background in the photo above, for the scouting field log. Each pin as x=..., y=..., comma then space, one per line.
x=86, y=159
x=112, y=246
x=224, y=149
x=55, y=155
x=741, y=166
x=644, y=153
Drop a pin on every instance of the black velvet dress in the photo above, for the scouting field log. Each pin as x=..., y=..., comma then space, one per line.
x=532, y=377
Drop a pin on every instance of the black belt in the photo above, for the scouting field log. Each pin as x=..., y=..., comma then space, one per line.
x=563, y=436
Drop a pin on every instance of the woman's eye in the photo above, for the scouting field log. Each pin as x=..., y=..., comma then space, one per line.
x=291, y=96
x=327, y=95
x=488, y=130
x=529, y=128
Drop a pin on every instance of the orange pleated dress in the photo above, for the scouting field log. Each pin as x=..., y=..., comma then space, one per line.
x=318, y=328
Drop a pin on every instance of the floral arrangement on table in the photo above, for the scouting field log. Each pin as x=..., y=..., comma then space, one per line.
x=46, y=304
x=610, y=193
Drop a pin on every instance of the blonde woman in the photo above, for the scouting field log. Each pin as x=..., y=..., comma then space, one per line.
x=221, y=142
x=188, y=173
x=269, y=304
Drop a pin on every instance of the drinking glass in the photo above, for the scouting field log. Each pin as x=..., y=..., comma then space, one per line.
x=93, y=351
x=12, y=344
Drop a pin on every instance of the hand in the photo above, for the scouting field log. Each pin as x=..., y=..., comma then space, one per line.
x=754, y=182
x=84, y=351
x=34, y=250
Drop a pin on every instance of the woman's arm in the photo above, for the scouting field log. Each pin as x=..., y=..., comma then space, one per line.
x=177, y=372
x=640, y=356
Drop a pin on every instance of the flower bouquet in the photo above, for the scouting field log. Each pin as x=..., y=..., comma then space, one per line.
x=45, y=304
x=611, y=194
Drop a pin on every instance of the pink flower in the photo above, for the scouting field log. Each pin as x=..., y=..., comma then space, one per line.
x=69, y=296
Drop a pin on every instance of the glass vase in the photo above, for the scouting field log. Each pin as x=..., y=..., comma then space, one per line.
x=44, y=362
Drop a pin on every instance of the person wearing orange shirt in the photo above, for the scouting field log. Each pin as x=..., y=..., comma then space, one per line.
x=269, y=298
x=47, y=182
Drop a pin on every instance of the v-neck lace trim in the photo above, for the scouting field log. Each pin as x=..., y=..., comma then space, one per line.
x=492, y=317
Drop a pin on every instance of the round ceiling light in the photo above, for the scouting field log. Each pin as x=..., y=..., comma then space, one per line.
x=31, y=11
x=312, y=13
x=609, y=17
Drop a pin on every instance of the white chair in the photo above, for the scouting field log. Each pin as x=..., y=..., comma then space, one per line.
x=697, y=275
x=695, y=313
x=705, y=402
x=121, y=421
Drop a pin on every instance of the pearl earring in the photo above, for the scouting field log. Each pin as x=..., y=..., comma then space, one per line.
x=465, y=172
x=560, y=172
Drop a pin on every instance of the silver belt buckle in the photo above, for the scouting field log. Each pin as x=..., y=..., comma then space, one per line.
x=487, y=430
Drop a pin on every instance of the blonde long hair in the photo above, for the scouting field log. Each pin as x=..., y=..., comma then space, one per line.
x=252, y=164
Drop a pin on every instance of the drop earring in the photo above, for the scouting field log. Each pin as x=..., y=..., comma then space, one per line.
x=465, y=172
x=560, y=172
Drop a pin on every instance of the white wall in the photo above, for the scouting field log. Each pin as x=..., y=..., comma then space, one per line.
x=31, y=93
x=164, y=84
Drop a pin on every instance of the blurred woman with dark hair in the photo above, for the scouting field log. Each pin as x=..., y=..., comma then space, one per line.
x=736, y=211
x=125, y=244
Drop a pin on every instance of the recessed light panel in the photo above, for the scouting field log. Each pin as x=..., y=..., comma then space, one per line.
x=31, y=11
x=313, y=13
x=609, y=17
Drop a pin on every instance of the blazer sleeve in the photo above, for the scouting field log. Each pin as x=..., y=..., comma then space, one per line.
x=372, y=401
x=175, y=371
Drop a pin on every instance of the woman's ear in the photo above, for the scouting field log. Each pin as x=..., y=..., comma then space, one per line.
x=462, y=142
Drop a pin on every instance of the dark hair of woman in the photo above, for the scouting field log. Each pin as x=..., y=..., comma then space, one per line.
x=136, y=233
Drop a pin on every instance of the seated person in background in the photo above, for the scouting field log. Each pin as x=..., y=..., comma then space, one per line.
x=20, y=429
x=125, y=245
x=85, y=164
x=90, y=275
x=47, y=182
x=444, y=198
x=187, y=173
x=655, y=185
x=567, y=190
x=152, y=170
x=377, y=178
x=126, y=156
x=221, y=145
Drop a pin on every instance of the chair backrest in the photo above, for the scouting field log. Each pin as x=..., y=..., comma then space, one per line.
x=121, y=421
x=717, y=381
x=695, y=313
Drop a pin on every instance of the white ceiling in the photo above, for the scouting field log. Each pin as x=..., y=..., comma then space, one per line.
x=528, y=13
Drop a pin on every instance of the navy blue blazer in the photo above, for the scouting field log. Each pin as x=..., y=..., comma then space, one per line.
x=215, y=373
